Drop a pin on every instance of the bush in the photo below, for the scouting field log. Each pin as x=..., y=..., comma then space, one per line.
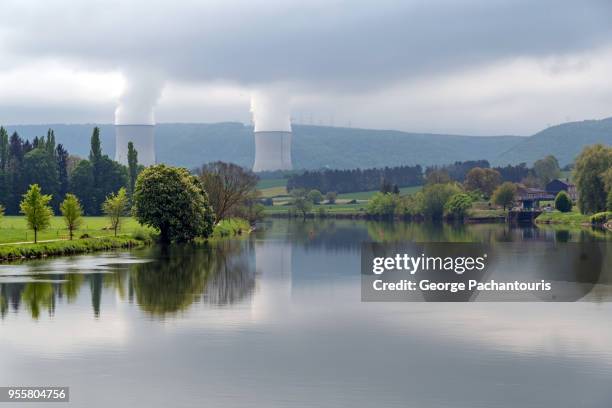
x=609, y=201
x=563, y=202
x=382, y=205
x=457, y=206
x=331, y=197
x=315, y=196
x=601, y=218
x=435, y=197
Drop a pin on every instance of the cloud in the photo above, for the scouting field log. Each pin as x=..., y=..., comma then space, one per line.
x=322, y=47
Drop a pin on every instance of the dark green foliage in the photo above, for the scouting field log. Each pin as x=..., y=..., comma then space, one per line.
x=609, y=201
x=171, y=200
x=563, y=202
x=93, y=180
x=601, y=217
x=348, y=181
x=132, y=166
x=40, y=167
x=61, y=156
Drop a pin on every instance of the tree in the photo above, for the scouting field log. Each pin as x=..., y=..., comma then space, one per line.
x=505, y=194
x=315, y=196
x=71, y=211
x=172, y=201
x=485, y=180
x=385, y=186
x=132, y=157
x=82, y=185
x=331, y=197
x=61, y=156
x=609, y=201
x=457, y=206
x=115, y=207
x=301, y=201
x=382, y=205
x=546, y=170
x=228, y=186
x=1, y=213
x=35, y=207
x=40, y=167
x=593, y=162
x=434, y=198
x=437, y=176
x=563, y=202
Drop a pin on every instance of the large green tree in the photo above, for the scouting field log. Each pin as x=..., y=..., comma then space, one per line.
x=40, y=167
x=35, y=207
x=434, y=198
x=589, y=170
x=172, y=201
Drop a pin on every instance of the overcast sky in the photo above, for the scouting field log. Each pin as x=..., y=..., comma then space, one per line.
x=471, y=67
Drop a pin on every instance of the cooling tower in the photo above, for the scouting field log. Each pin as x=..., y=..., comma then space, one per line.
x=144, y=142
x=272, y=151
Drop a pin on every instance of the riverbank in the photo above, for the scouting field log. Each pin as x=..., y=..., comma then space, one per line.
x=14, y=252
x=139, y=237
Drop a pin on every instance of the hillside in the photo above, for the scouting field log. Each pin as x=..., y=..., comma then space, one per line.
x=563, y=141
x=191, y=145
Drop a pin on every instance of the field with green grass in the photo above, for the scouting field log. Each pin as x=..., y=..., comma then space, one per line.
x=572, y=218
x=366, y=195
x=14, y=229
x=270, y=183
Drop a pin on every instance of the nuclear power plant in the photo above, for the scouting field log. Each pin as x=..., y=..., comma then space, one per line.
x=272, y=151
x=143, y=138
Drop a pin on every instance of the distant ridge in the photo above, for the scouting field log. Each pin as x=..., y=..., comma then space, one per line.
x=191, y=144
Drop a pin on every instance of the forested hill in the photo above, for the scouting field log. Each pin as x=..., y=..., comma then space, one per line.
x=314, y=147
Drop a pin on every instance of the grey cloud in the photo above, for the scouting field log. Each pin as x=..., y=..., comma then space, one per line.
x=343, y=44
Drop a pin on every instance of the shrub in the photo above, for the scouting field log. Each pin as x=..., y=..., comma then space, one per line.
x=331, y=197
x=382, y=205
x=601, y=217
x=315, y=196
x=609, y=201
x=562, y=202
x=457, y=206
x=435, y=197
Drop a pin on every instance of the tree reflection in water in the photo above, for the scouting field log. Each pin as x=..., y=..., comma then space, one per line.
x=176, y=277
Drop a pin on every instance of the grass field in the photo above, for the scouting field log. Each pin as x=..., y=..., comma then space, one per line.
x=330, y=209
x=366, y=195
x=14, y=229
x=270, y=183
x=572, y=218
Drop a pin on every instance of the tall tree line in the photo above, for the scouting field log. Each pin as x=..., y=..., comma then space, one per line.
x=346, y=181
x=43, y=162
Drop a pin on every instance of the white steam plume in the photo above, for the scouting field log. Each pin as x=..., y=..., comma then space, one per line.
x=138, y=99
x=271, y=109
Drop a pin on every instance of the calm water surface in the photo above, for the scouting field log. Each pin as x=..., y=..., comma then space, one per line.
x=275, y=320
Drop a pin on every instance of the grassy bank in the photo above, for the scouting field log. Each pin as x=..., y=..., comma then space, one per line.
x=63, y=248
x=572, y=218
x=14, y=229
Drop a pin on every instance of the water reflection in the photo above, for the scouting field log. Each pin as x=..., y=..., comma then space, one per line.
x=167, y=281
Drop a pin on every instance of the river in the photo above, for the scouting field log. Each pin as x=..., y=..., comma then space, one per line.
x=276, y=320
